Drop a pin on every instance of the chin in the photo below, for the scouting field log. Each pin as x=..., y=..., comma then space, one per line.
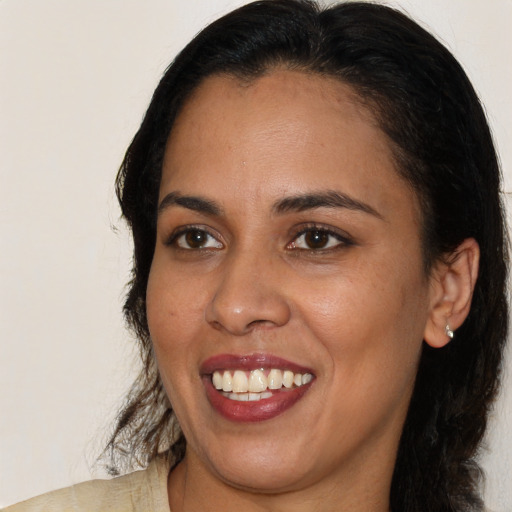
x=261, y=466
x=264, y=476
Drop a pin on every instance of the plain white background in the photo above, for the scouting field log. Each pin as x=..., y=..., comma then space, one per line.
x=75, y=79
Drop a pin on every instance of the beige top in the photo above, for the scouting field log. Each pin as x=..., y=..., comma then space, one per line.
x=141, y=491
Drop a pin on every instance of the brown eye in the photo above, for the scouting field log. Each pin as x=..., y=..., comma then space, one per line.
x=316, y=239
x=195, y=239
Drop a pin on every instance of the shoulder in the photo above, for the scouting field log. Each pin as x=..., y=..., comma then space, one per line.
x=140, y=491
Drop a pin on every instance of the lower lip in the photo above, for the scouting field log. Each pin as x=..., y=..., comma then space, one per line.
x=259, y=410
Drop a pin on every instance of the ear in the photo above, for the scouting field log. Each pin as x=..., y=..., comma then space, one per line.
x=452, y=282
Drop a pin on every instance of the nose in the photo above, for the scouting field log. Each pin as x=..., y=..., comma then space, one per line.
x=249, y=295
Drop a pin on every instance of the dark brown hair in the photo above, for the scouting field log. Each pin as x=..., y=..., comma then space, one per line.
x=426, y=105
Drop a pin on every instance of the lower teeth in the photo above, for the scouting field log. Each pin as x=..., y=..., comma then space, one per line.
x=247, y=397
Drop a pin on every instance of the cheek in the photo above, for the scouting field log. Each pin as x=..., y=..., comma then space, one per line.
x=174, y=306
x=364, y=299
x=173, y=312
x=371, y=317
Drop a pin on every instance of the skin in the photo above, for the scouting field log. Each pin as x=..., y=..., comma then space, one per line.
x=355, y=311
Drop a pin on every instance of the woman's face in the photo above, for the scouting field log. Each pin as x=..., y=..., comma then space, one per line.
x=288, y=251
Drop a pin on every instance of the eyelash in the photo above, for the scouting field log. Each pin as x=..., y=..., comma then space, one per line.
x=342, y=239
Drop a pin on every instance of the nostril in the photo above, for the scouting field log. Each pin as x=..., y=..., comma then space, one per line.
x=216, y=325
x=260, y=323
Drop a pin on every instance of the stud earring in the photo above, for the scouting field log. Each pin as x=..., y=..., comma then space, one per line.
x=448, y=332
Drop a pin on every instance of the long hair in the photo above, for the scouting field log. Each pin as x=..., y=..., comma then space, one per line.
x=442, y=146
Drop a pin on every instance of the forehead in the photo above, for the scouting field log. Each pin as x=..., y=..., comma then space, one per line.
x=279, y=95
x=283, y=133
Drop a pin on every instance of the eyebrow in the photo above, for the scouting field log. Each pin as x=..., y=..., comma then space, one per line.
x=323, y=199
x=198, y=204
x=297, y=203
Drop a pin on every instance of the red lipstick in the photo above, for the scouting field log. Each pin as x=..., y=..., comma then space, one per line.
x=252, y=411
x=249, y=362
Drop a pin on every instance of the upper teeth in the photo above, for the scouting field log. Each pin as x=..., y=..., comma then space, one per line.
x=256, y=381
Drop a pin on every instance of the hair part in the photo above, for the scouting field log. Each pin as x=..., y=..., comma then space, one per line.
x=424, y=102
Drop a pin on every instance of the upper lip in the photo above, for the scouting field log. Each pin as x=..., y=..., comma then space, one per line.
x=249, y=362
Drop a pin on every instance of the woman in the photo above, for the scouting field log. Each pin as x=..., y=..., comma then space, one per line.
x=319, y=272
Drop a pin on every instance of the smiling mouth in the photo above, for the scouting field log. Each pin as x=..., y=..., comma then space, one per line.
x=254, y=387
x=258, y=384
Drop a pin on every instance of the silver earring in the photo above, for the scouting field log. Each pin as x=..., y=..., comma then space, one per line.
x=448, y=332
